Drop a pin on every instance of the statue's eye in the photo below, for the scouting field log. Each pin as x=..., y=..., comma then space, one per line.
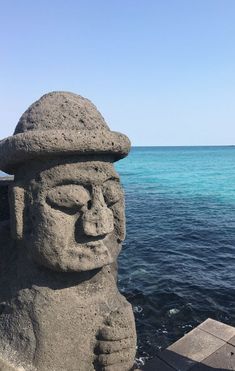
x=112, y=192
x=69, y=198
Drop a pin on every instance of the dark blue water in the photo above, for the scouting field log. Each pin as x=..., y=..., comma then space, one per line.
x=177, y=267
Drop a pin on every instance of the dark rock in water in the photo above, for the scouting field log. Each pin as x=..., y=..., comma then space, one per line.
x=5, y=210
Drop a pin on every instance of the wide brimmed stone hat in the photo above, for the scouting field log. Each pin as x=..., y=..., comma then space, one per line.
x=60, y=123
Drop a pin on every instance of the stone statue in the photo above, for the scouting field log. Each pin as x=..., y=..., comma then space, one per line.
x=60, y=309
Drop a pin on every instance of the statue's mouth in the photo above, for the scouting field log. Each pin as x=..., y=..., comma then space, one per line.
x=95, y=243
x=80, y=257
x=93, y=254
x=82, y=239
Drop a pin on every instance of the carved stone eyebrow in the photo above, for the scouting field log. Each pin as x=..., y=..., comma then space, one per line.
x=68, y=196
x=112, y=191
x=114, y=178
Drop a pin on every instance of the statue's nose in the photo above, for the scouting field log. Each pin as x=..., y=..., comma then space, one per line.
x=98, y=219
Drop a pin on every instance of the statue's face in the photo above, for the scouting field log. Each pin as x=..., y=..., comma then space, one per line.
x=76, y=216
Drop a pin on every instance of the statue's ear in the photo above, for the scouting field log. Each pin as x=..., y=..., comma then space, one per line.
x=17, y=205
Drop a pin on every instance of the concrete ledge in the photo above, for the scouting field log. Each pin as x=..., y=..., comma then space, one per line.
x=217, y=329
x=209, y=347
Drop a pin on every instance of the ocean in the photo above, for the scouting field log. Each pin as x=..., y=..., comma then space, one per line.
x=177, y=266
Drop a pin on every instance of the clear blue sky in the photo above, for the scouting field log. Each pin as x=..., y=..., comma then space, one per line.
x=161, y=71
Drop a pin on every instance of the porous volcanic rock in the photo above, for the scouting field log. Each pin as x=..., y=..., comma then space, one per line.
x=60, y=234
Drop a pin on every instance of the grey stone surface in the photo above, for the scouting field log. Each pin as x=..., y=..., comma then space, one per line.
x=232, y=341
x=60, y=308
x=5, y=366
x=218, y=329
x=199, y=350
x=190, y=349
x=222, y=359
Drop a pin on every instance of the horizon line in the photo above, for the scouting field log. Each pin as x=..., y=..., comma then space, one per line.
x=186, y=145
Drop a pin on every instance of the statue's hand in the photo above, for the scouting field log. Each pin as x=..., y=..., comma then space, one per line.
x=116, y=345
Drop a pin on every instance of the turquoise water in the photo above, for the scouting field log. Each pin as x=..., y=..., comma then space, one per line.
x=178, y=262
